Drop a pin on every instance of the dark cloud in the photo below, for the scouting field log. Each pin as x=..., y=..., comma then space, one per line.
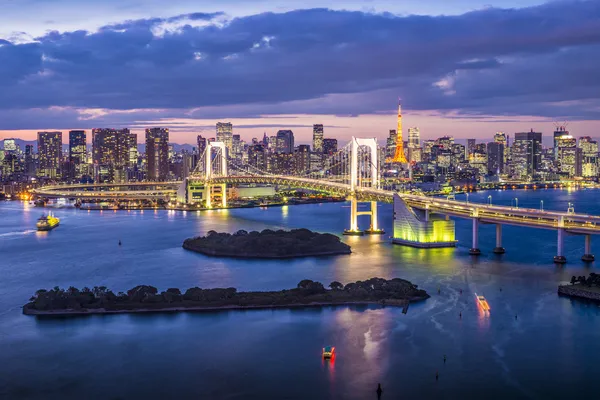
x=542, y=61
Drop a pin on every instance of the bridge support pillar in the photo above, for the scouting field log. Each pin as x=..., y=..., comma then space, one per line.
x=374, y=228
x=499, y=249
x=588, y=256
x=559, y=258
x=353, y=231
x=475, y=249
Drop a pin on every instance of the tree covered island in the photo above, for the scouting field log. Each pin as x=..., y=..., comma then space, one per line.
x=267, y=244
x=144, y=298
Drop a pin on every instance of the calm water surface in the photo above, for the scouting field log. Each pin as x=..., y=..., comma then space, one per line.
x=550, y=351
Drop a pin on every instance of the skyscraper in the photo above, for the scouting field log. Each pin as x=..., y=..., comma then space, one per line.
x=201, y=145
x=390, y=147
x=567, y=155
x=10, y=145
x=77, y=153
x=157, y=153
x=330, y=146
x=399, y=156
x=285, y=141
x=225, y=134
x=49, y=153
x=526, y=154
x=589, y=157
x=318, y=138
x=110, y=153
x=560, y=130
x=470, y=147
x=414, y=138
x=495, y=158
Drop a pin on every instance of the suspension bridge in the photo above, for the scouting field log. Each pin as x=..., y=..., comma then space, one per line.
x=354, y=172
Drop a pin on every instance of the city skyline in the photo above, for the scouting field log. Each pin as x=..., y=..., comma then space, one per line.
x=523, y=71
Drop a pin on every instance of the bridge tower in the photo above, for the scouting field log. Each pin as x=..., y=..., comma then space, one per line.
x=356, y=171
x=215, y=192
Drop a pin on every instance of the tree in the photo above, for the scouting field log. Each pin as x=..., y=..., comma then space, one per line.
x=304, y=283
x=573, y=280
x=335, y=285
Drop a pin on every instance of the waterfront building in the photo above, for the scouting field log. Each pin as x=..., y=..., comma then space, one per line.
x=225, y=134
x=49, y=154
x=77, y=153
x=157, y=153
x=589, y=157
x=284, y=141
x=526, y=154
x=559, y=131
x=567, y=156
x=318, y=138
x=495, y=158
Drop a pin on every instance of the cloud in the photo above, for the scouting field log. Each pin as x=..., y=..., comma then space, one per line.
x=532, y=61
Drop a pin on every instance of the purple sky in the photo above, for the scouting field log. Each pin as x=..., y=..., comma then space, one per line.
x=463, y=68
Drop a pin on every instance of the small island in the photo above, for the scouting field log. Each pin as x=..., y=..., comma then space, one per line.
x=143, y=298
x=268, y=244
x=582, y=287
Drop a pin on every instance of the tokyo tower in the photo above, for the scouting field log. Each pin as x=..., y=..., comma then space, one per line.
x=399, y=156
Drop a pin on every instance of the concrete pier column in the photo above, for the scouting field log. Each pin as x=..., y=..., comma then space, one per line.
x=559, y=258
x=588, y=256
x=208, y=191
x=475, y=249
x=499, y=249
x=353, y=231
x=374, y=228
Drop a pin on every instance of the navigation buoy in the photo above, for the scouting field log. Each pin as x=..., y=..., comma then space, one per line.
x=120, y=243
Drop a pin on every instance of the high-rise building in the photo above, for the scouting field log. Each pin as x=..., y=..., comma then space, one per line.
x=414, y=138
x=225, y=134
x=110, y=153
x=49, y=153
x=302, y=159
x=470, y=147
x=132, y=150
x=526, y=153
x=399, y=156
x=157, y=153
x=257, y=156
x=285, y=141
x=77, y=153
x=330, y=146
x=567, y=155
x=495, y=158
x=30, y=167
x=10, y=146
x=559, y=131
x=390, y=146
x=318, y=138
x=201, y=144
x=236, y=143
x=589, y=157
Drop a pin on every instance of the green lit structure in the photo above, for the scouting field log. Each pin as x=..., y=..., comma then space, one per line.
x=419, y=228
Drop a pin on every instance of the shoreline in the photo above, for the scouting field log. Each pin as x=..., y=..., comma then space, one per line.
x=103, y=311
x=265, y=257
x=579, y=292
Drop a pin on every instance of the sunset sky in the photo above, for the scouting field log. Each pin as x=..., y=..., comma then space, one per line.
x=463, y=68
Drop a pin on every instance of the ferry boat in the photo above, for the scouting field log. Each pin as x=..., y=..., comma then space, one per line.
x=483, y=302
x=328, y=352
x=47, y=222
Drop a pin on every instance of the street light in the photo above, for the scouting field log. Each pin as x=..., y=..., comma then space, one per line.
x=490, y=199
x=541, y=205
x=467, y=196
x=516, y=202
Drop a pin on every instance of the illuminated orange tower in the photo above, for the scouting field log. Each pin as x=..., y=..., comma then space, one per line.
x=399, y=156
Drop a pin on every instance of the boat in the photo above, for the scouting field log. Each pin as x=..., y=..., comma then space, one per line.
x=47, y=222
x=328, y=352
x=483, y=302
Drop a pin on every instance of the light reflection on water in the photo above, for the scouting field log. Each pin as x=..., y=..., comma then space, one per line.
x=548, y=352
